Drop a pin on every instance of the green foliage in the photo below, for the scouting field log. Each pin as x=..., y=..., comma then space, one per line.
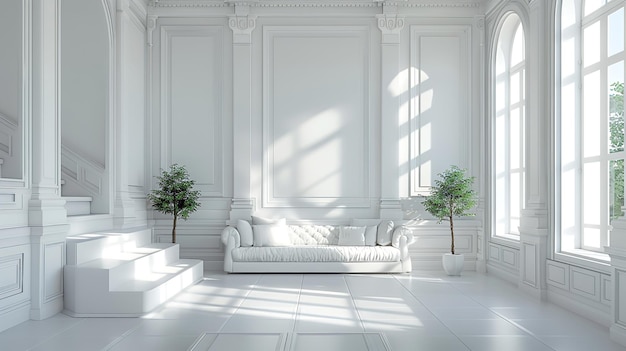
x=452, y=195
x=175, y=195
x=616, y=129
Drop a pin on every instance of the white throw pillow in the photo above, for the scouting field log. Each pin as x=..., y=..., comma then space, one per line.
x=370, y=235
x=270, y=235
x=245, y=233
x=261, y=220
x=385, y=231
x=352, y=236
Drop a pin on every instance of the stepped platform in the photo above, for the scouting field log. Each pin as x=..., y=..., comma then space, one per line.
x=123, y=274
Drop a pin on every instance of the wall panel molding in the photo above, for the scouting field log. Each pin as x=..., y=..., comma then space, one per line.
x=440, y=108
x=11, y=275
x=54, y=260
x=192, y=67
x=316, y=132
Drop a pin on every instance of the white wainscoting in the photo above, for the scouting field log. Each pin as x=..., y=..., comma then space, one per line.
x=582, y=290
x=432, y=240
x=197, y=240
x=504, y=261
x=316, y=117
x=15, y=262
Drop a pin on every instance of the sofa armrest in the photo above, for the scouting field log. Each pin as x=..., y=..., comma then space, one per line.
x=399, y=232
x=231, y=232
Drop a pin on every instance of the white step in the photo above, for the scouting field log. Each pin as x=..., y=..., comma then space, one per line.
x=78, y=205
x=88, y=295
x=125, y=276
x=88, y=247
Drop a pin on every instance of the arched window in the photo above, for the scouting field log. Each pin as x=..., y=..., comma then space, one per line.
x=590, y=126
x=509, y=128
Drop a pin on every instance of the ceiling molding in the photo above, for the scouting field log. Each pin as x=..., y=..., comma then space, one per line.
x=316, y=3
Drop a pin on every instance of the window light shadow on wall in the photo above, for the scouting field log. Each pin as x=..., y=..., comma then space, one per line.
x=415, y=93
x=310, y=157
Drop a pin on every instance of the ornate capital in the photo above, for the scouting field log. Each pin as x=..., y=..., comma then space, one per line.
x=391, y=26
x=242, y=27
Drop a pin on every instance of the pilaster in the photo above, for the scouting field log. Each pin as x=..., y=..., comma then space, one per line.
x=242, y=24
x=124, y=206
x=390, y=24
x=47, y=216
x=534, y=244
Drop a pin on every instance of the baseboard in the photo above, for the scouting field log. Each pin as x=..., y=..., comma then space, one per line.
x=502, y=273
x=213, y=266
x=14, y=316
x=48, y=309
x=618, y=334
x=579, y=307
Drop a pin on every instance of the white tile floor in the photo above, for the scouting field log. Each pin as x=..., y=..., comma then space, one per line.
x=250, y=312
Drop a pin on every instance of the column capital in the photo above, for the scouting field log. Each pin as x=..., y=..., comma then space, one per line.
x=242, y=27
x=390, y=25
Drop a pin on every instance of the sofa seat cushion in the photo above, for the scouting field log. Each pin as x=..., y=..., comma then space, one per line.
x=322, y=253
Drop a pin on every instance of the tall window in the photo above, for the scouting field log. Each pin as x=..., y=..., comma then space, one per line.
x=509, y=128
x=591, y=122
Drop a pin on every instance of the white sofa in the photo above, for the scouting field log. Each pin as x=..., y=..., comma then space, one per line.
x=273, y=246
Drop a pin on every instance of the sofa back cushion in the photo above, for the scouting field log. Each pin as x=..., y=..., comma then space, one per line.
x=270, y=235
x=351, y=236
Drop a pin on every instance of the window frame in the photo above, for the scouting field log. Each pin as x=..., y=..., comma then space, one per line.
x=580, y=252
x=508, y=35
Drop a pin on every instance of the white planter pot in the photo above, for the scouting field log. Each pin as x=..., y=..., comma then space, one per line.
x=453, y=264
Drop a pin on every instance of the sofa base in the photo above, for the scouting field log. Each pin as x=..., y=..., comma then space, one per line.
x=317, y=267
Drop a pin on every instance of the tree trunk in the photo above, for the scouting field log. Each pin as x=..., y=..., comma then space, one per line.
x=174, y=231
x=451, y=236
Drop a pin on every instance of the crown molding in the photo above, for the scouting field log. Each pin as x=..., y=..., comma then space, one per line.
x=316, y=3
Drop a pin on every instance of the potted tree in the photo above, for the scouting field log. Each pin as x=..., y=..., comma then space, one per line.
x=175, y=195
x=452, y=195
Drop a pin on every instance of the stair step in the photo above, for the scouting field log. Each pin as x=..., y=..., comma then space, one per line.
x=78, y=205
x=134, y=265
x=87, y=247
x=134, y=298
x=123, y=274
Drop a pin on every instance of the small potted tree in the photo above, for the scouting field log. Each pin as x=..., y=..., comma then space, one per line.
x=175, y=195
x=452, y=195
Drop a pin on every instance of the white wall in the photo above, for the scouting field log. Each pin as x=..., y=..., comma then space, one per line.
x=304, y=91
x=85, y=78
x=11, y=125
x=84, y=94
x=33, y=221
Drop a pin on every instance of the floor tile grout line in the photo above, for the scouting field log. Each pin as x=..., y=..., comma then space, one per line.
x=528, y=332
x=508, y=320
x=356, y=310
x=82, y=320
x=123, y=336
x=254, y=286
x=429, y=310
x=297, y=313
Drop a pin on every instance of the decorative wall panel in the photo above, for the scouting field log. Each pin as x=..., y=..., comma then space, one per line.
x=54, y=260
x=11, y=275
x=191, y=104
x=585, y=283
x=503, y=257
x=439, y=87
x=620, y=281
x=316, y=117
x=557, y=274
